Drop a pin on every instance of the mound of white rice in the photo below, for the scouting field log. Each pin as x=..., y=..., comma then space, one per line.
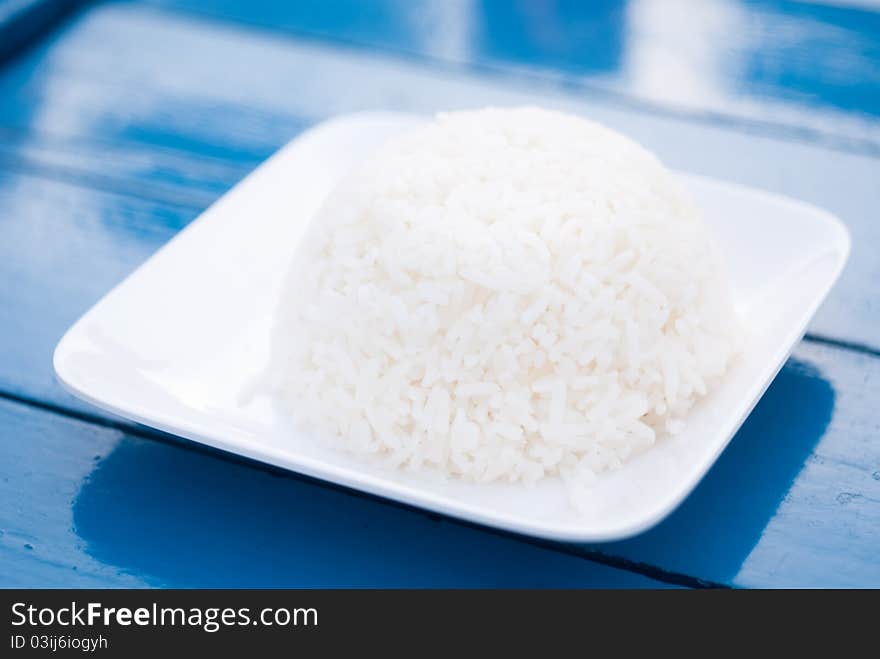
x=505, y=294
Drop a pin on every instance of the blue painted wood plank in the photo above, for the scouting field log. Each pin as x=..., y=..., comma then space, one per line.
x=190, y=176
x=794, y=501
x=813, y=65
x=153, y=105
x=82, y=505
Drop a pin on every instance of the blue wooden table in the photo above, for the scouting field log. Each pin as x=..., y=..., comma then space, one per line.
x=122, y=122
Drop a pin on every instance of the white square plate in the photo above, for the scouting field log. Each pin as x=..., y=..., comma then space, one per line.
x=178, y=344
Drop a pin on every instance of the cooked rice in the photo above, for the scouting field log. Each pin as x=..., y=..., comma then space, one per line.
x=504, y=294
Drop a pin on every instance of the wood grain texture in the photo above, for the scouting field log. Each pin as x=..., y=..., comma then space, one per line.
x=82, y=505
x=794, y=501
x=154, y=105
x=810, y=66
